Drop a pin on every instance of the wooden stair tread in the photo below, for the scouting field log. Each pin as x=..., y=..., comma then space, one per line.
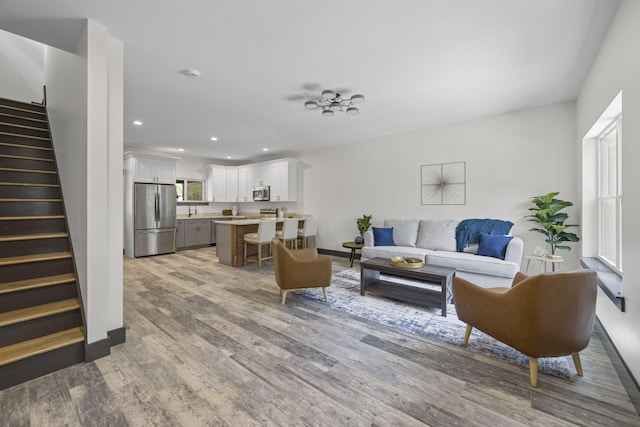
x=23, y=127
x=24, y=110
x=24, y=259
x=39, y=282
x=33, y=147
x=29, y=184
x=33, y=103
x=31, y=119
x=13, y=353
x=40, y=138
x=28, y=171
x=38, y=159
x=38, y=311
x=30, y=200
x=39, y=236
x=30, y=217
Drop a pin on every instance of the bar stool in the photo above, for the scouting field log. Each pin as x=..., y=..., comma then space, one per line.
x=266, y=232
x=309, y=229
x=289, y=232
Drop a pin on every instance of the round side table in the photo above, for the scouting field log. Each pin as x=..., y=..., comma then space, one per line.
x=543, y=262
x=353, y=246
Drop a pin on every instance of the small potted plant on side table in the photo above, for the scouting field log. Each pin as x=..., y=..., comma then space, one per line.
x=551, y=223
x=363, y=223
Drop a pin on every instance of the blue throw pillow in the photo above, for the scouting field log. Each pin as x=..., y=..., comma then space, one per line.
x=493, y=245
x=383, y=236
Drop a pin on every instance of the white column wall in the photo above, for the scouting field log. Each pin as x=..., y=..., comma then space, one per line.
x=85, y=105
x=21, y=68
x=616, y=68
x=509, y=159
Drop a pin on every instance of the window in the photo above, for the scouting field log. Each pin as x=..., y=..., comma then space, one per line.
x=189, y=190
x=610, y=195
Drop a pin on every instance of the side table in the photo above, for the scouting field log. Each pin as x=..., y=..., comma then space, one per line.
x=543, y=262
x=353, y=246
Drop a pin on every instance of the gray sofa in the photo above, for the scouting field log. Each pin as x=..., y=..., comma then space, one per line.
x=434, y=241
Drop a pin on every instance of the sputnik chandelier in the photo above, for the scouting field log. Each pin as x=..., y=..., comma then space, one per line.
x=331, y=101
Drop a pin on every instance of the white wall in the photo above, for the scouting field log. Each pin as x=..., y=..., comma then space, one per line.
x=509, y=158
x=85, y=106
x=21, y=68
x=617, y=68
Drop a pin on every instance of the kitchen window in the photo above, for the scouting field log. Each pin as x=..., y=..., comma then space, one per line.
x=190, y=190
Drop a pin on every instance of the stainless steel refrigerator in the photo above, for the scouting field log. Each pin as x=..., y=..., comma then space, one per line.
x=154, y=219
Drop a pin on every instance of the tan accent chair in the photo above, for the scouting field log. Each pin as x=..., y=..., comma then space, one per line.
x=266, y=232
x=301, y=268
x=309, y=229
x=549, y=315
x=289, y=232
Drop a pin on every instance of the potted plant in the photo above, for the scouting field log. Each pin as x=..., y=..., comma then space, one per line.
x=551, y=222
x=363, y=223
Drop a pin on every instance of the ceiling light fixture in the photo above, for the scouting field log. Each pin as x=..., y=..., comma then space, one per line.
x=137, y=122
x=180, y=149
x=190, y=72
x=213, y=138
x=331, y=101
x=228, y=157
x=265, y=149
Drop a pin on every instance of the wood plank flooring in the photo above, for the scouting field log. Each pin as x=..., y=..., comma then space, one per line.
x=209, y=344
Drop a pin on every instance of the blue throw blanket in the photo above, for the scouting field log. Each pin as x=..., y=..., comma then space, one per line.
x=469, y=230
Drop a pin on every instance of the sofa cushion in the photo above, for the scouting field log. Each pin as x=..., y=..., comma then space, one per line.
x=391, y=251
x=493, y=245
x=405, y=231
x=437, y=234
x=473, y=263
x=383, y=236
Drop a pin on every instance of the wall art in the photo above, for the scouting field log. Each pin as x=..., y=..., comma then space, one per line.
x=444, y=184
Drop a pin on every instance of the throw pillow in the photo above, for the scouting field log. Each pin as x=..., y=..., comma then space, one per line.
x=437, y=234
x=383, y=236
x=493, y=245
x=405, y=231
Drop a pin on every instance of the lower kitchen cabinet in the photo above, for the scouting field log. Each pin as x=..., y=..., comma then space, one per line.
x=193, y=233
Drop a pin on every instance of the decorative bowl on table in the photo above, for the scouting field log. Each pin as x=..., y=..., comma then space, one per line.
x=406, y=262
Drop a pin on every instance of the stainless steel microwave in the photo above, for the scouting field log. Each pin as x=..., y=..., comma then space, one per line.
x=261, y=193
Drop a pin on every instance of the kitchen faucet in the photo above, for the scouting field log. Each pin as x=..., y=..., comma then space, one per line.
x=189, y=211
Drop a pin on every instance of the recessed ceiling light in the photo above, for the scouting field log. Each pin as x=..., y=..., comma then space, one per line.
x=228, y=157
x=265, y=149
x=180, y=149
x=190, y=72
x=137, y=122
x=213, y=138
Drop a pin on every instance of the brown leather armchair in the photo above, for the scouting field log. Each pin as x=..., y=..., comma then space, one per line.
x=548, y=315
x=300, y=268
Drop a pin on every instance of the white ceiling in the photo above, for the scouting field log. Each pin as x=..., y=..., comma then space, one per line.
x=419, y=63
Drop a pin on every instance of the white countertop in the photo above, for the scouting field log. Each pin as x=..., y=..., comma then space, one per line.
x=217, y=216
x=253, y=221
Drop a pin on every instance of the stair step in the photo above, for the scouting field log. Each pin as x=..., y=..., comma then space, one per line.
x=28, y=184
x=32, y=237
x=30, y=217
x=30, y=147
x=20, y=127
x=25, y=259
x=38, y=311
x=27, y=106
x=5, y=116
x=39, y=282
x=38, y=159
x=30, y=200
x=27, y=171
x=19, y=135
x=25, y=349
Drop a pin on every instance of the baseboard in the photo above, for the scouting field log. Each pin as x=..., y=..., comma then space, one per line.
x=626, y=377
x=102, y=348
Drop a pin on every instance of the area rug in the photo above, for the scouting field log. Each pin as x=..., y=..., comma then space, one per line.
x=344, y=295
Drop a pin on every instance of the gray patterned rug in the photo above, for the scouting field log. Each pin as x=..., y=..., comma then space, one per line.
x=344, y=295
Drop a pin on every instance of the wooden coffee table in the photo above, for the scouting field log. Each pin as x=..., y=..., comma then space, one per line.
x=433, y=297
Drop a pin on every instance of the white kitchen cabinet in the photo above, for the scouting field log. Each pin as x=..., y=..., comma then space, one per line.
x=231, y=184
x=284, y=175
x=246, y=182
x=217, y=183
x=152, y=169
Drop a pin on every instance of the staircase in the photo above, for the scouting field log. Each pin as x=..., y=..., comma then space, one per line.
x=41, y=321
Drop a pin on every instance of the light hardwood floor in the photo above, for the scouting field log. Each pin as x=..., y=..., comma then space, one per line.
x=209, y=344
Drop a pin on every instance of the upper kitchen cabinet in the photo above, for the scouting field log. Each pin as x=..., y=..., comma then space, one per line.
x=246, y=182
x=217, y=181
x=151, y=168
x=283, y=180
x=231, y=184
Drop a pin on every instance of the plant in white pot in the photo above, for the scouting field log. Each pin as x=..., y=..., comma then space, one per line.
x=551, y=222
x=363, y=223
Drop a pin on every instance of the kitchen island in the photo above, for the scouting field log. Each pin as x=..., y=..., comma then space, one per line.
x=230, y=238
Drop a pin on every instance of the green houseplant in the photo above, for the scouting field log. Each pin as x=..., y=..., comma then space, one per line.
x=363, y=223
x=551, y=222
